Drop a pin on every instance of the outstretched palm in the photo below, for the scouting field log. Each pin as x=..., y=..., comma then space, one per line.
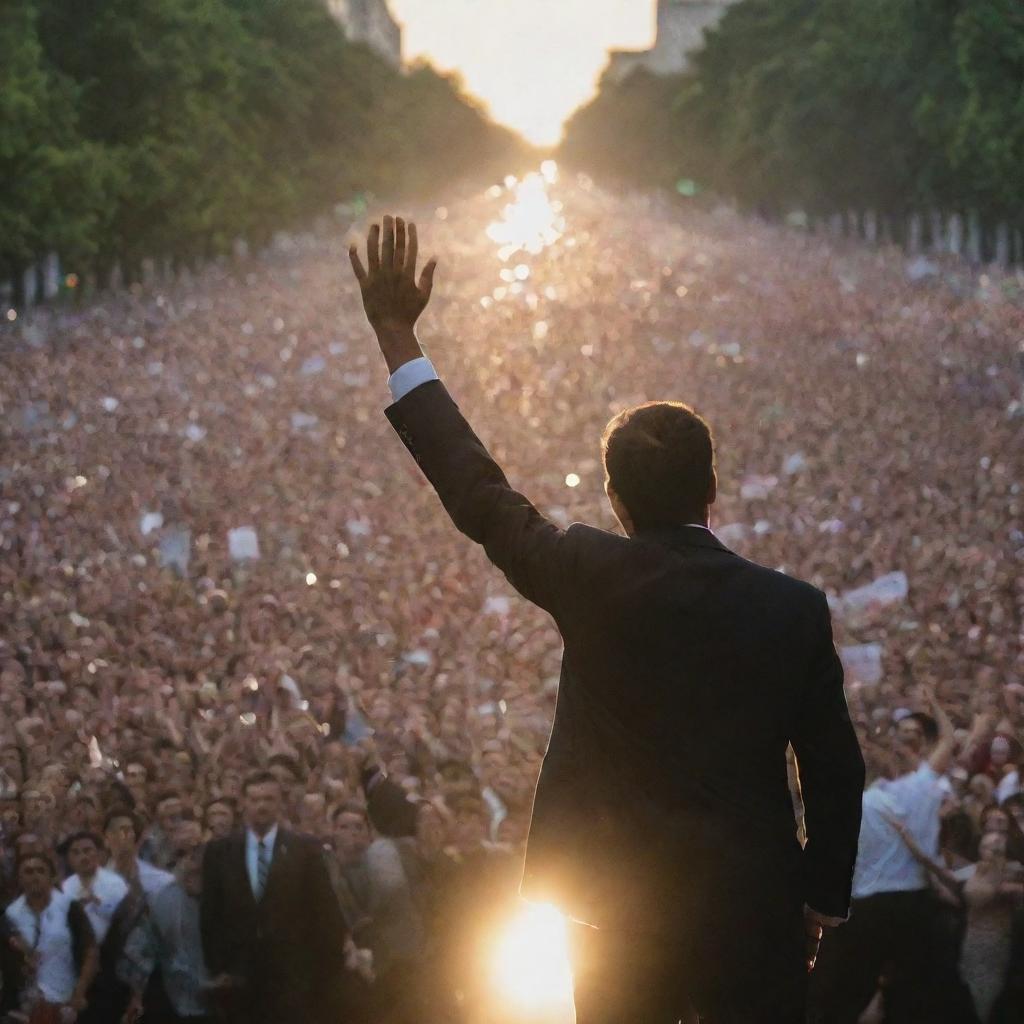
x=392, y=298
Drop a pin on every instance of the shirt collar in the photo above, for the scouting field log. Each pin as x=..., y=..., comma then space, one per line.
x=253, y=840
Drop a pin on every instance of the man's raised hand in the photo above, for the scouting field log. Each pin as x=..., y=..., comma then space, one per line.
x=392, y=298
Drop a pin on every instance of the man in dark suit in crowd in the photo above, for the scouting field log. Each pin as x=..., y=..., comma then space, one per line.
x=662, y=821
x=272, y=930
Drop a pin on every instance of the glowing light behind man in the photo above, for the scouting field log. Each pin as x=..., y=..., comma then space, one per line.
x=531, y=979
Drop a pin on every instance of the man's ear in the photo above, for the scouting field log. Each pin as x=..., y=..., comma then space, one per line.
x=713, y=487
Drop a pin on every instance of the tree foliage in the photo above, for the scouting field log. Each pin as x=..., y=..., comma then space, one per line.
x=831, y=105
x=151, y=128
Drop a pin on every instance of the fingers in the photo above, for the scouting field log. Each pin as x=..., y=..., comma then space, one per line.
x=427, y=278
x=387, y=256
x=357, y=265
x=373, y=248
x=411, y=252
x=399, y=245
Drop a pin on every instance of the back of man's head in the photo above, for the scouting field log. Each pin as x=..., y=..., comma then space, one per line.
x=659, y=459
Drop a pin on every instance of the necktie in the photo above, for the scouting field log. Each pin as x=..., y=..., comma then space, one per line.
x=262, y=868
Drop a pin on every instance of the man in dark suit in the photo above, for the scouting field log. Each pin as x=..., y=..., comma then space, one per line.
x=272, y=930
x=662, y=821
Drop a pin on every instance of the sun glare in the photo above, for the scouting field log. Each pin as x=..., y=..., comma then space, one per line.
x=530, y=969
x=532, y=62
x=532, y=221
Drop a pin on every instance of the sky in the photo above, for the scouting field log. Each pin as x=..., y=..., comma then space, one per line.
x=532, y=62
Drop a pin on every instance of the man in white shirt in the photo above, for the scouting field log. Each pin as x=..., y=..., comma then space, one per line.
x=893, y=923
x=98, y=889
x=122, y=834
x=52, y=933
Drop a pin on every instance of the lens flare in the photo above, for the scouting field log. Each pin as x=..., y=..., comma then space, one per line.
x=531, y=222
x=530, y=972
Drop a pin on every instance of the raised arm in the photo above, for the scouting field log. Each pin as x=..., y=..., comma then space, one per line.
x=942, y=753
x=533, y=552
x=939, y=872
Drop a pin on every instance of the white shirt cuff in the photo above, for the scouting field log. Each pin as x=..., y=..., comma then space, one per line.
x=411, y=375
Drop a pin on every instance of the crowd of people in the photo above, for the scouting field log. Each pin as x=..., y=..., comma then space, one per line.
x=231, y=602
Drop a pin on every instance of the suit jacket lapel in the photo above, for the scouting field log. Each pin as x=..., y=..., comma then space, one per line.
x=280, y=854
x=240, y=856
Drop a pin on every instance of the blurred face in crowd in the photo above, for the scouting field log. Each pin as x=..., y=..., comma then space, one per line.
x=10, y=764
x=190, y=871
x=28, y=842
x=312, y=811
x=351, y=836
x=83, y=857
x=910, y=735
x=10, y=816
x=981, y=788
x=54, y=778
x=430, y=830
x=35, y=877
x=168, y=814
x=120, y=837
x=187, y=836
x=512, y=786
x=471, y=827
x=220, y=820
x=85, y=814
x=999, y=752
x=335, y=759
x=992, y=848
x=82, y=700
x=36, y=754
x=34, y=806
x=262, y=806
x=231, y=783
x=136, y=778
x=1016, y=811
x=997, y=821
x=183, y=766
x=513, y=830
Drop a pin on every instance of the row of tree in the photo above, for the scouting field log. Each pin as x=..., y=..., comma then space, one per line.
x=169, y=128
x=830, y=105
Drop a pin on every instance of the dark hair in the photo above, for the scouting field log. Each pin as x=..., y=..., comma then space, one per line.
x=659, y=458
x=225, y=800
x=929, y=726
x=349, y=808
x=285, y=761
x=40, y=856
x=122, y=812
x=76, y=837
x=22, y=760
x=987, y=811
x=166, y=794
x=259, y=778
x=956, y=834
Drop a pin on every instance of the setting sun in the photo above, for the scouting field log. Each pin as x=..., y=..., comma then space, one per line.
x=532, y=62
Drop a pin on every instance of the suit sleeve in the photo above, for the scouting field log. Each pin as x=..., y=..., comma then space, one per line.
x=535, y=555
x=211, y=911
x=831, y=771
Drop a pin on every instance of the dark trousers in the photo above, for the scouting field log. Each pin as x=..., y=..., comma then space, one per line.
x=740, y=973
x=898, y=935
